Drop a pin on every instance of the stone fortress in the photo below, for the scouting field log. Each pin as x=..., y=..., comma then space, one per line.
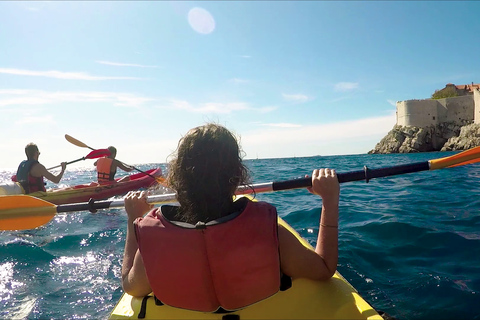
x=436, y=124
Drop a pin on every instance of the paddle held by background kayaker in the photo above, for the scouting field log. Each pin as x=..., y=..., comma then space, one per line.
x=107, y=167
x=30, y=172
x=212, y=253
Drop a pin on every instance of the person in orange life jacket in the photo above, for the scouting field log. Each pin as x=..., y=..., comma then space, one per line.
x=30, y=172
x=107, y=167
x=205, y=172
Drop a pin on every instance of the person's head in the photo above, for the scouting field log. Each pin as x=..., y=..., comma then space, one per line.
x=205, y=171
x=113, y=152
x=31, y=150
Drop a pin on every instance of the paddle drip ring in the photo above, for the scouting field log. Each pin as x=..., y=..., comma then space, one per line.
x=91, y=205
x=366, y=170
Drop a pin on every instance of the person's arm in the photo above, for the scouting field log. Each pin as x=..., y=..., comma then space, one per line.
x=38, y=170
x=134, y=276
x=298, y=261
x=123, y=166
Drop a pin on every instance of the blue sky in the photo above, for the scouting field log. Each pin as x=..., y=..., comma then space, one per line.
x=291, y=78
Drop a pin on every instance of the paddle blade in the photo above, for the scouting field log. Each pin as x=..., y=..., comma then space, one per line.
x=76, y=142
x=98, y=154
x=465, y=163
x=457, y=159
x=161, y=180
x=22, y=212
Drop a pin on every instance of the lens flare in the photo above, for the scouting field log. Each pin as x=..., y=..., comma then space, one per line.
x=201, y=20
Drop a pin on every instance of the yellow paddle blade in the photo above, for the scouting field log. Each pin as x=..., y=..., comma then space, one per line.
x=76, y=142
x=462, y=158
x=22, y=212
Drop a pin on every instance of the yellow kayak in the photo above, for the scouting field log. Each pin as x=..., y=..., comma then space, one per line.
x=306, y=299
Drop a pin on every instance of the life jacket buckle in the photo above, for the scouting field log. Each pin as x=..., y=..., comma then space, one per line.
x=200, y=225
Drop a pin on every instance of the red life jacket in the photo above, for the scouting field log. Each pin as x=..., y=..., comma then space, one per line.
x=36, y=184
x=227, y=265
x=104, y=167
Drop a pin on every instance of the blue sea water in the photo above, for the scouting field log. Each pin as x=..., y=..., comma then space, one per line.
x=410, y=244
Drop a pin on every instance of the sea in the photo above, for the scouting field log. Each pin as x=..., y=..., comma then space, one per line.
x=410, y=244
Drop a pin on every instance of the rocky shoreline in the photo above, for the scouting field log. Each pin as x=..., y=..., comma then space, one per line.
x=445, y=136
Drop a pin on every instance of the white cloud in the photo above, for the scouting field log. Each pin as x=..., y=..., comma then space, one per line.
x=62, y=75
x=296, y=97
x=266, y=109
x=282, y=125
x=245, y=57
x=210, y=107
x=24, y=101
x=30, y=120
x=223, y=107
x=119, y=64
x=217, y=107
x=12, y=97
x=346, y=137
x=346, y=86
x=392, y=102
x=332, y=131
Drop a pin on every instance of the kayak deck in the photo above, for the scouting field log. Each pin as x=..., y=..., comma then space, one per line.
x=306, y=299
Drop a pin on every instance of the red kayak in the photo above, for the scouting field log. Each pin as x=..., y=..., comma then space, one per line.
x=94, y=190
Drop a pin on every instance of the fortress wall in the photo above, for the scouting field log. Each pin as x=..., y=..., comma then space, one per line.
x=417, y=113
x=441, y=109
x=476, y=101
x=458, y=109
x=423, y=113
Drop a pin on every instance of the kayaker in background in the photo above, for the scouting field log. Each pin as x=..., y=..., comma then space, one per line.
x=212, y=253
x=107, y=167
x=30, y=172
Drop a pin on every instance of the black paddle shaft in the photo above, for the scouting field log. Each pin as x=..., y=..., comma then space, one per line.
x=365, y=174
x=92, y=206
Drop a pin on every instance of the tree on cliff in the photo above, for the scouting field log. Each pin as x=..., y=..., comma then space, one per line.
x=447, y=92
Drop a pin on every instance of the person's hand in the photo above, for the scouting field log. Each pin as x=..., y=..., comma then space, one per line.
x=64, y=165
x=325, y=184
x=136, y=204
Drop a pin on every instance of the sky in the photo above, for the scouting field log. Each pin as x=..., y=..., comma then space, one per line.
x=290, y=78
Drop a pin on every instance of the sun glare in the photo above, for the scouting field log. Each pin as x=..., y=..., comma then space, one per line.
x=201, y=20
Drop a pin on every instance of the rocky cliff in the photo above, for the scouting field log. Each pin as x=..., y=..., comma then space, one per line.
x=445, y=136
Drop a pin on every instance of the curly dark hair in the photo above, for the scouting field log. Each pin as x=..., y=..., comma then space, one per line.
x=205, y=171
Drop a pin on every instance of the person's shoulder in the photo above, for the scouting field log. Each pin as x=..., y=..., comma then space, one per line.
x=37, y=165
x=38, y=169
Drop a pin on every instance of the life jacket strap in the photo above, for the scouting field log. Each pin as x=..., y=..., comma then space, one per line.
x=285, y=282
x=143, y=308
